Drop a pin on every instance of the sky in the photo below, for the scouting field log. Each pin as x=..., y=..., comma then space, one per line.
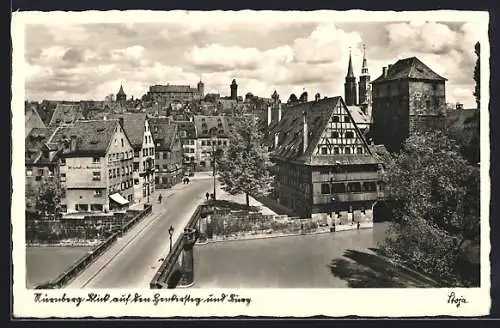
x=90, y=61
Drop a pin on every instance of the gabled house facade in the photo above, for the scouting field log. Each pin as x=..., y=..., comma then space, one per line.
x=168, y=153
x=96, y=169
x=136, y=126
x=324, y=165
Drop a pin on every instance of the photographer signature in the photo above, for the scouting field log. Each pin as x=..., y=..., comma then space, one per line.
x=453, y=299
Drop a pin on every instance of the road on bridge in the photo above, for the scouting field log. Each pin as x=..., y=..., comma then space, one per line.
x=133, y=260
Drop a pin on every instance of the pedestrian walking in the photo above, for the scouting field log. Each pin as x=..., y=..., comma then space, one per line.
x=207, y=195
x=358, y=225
x=160, y=198
x=212, y=196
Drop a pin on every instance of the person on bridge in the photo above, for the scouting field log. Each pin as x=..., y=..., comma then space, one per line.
x=207, y=195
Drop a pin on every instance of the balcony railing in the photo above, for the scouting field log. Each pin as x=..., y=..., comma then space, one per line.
x=349, y=197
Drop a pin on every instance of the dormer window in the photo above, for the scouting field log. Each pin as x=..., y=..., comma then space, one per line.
x=335, y=119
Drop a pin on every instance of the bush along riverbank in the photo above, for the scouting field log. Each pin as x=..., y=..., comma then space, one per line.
x=222, y=225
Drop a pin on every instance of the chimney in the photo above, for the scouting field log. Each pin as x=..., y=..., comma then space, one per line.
x=305, y=131
x=317, y=97
x=389, y=68
x=279, y=113
x=384, y=71
x=269, y=117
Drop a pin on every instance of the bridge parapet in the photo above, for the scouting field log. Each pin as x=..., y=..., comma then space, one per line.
x=178, y=267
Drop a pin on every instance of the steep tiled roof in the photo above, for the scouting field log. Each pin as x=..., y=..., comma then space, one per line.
x=65, y=114
x=92, y=137
x=358, y=115
x=164, y=133
x=38, y=140
x=32, y=119
x=409, y=68
x=188, y=127
x=291, y=137
x=133, y=124
x=206, y=124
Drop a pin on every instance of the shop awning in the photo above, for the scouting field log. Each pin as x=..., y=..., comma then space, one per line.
x=118, y=198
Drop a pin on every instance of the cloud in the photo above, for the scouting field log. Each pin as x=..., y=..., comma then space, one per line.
x=90, y=61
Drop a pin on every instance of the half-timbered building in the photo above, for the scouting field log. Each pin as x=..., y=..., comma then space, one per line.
x=323, y=162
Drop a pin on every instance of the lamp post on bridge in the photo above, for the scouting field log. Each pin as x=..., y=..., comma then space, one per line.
x=171, y=232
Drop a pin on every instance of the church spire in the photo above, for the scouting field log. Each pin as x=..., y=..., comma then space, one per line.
x=350, y=92
x=350, y=71
x=364, y=67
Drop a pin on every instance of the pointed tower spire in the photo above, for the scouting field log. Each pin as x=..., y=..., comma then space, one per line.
x=364, y=67
x=350, y=93
x=364, y=84
x=350, y=71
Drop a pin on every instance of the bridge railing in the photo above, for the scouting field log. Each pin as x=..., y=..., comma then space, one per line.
x=169, y=265
x=62, y=279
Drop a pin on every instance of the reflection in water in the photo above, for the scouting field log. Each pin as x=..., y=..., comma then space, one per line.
x=288, y=262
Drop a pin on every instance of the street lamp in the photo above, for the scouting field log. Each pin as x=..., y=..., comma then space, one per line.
x=213, y=159
x=171, y=232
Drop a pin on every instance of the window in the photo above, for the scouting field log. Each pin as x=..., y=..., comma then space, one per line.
x=324, y=151
x=336, y=150
x=122, y=142
x=63, y=177
x=335, y=119
x=110, y=173
x=165, y=155
x=428, y=103
x=349, y=134
x=64, y=208
x=346, y=118
x=203, y=143
x=96, y=160
x=157, y=167
x=96, y=207
x=359, y=150
x=98, y=193
x=82, y=207
x=335, y=134
x=136, y=166
x=29, y=173
x=136, y=153
x=354, y=187
x=136, y=181
x=347, y=150
x=63, y=192
x=325, y=188
x=96, y=176
x=338, y=188
x=63, y=161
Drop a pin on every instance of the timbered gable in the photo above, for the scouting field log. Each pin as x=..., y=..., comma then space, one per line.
x=341, y=136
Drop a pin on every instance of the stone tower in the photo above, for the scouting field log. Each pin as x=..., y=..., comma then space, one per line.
x=364, y=82
x=350, y=85
x=407, y=98
x=234, y=90
x=201, y=89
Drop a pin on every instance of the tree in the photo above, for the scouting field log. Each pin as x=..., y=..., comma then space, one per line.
x=477, y=75
x=49, y=199
x=437, y=217
x=244, y=167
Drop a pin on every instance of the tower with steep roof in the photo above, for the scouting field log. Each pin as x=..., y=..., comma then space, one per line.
x=350, y=85
x=364, y=82
x=234, y=90
x=121, y=96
